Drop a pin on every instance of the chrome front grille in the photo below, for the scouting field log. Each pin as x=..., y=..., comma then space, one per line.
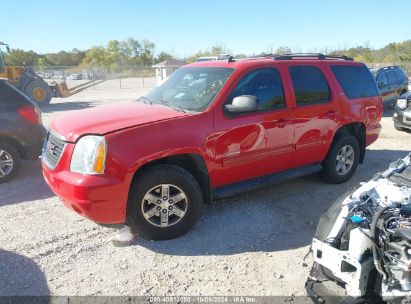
x=52, y=149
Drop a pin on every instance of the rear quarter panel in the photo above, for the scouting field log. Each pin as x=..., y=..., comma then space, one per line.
x=367, y=111
x=27, y=135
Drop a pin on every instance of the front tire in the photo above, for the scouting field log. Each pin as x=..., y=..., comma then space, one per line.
x=342, y=160
x=39, y=92
x=9, y=162
x=165, y=202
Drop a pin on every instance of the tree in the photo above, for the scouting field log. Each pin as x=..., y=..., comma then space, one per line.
x=146, y=57
x=116, y=57
x=42, y=62
x=97, y=56
x=18, y=56
x=131, y=49
x=281, y=50
x=162, y=56
x=119, y=53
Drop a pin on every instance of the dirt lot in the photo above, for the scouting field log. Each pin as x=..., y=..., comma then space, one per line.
x=251, y=244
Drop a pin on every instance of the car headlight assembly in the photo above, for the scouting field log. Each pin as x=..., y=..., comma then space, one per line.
x=89, y=155
x=402, y=103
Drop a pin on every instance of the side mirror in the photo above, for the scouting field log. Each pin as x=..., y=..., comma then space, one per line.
x=242, y=104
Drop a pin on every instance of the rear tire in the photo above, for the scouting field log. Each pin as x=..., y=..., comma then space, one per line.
x=39, y=92
x=342, y=160
x=156, y=213
x=10, y=162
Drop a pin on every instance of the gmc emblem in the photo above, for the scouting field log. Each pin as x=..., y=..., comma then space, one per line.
x=51, y=148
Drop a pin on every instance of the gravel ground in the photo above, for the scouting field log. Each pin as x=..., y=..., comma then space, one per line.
x=253, y=244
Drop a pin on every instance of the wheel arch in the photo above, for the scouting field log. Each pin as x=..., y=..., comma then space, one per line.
x=356, y=129
x=10, y=140
x=191, y=162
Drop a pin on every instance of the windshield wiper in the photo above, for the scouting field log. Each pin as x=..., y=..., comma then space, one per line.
x=145, y=100
x=171, y=106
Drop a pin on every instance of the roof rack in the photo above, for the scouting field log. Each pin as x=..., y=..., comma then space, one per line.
x=311, y=56
x=388, y=67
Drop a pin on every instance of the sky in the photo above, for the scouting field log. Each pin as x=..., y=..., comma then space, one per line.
x=183, y=27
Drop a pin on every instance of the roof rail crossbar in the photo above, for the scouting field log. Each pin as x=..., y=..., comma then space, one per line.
x=310, y=55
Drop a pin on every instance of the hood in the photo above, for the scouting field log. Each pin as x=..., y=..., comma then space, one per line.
x=107, y=119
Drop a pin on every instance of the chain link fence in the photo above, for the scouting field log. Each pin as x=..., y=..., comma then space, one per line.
x=138, y=76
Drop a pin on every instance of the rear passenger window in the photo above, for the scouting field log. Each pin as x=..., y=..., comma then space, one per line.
x=310, y=86
x=391, y=76
x=400, y=75
x=266, y=85
x=356, y=81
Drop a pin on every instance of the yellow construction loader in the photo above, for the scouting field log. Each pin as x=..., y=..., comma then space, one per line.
x=28, y=82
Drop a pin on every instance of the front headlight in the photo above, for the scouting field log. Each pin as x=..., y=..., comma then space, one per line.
x=89, y=156
x=402, y=104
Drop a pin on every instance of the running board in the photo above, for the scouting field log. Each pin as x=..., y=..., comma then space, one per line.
x=264, y=181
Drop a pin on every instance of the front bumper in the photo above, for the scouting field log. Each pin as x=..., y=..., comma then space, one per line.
x=322, y=288
x=99, y=198
x=402, y=118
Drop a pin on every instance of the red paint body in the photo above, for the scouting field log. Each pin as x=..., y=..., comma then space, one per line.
x=269, y=142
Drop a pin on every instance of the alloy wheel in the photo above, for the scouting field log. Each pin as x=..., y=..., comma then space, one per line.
x=164, y=205
x=6, y=163
x=345, y=160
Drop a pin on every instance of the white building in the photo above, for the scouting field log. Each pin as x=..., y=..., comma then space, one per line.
x=165, y=68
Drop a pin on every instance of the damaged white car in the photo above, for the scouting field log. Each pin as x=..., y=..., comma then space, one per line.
x=362, y=247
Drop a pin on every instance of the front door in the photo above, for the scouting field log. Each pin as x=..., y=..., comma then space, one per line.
x=253, y=144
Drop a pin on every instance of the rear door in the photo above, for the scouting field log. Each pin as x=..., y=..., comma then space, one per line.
x=253, y=144
x=315, y=112
x=393, y=85
x=384, y=88
x=402, y=83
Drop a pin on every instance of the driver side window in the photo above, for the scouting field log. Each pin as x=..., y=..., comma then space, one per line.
x=265, y=84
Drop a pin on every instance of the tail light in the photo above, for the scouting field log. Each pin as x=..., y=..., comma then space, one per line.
x=31, y=113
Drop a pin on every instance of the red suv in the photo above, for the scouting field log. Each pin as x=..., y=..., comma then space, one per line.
x=213, y=129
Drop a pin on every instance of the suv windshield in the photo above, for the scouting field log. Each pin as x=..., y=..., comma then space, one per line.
x=191, y=88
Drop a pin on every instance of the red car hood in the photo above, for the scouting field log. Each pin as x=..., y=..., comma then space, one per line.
x=111, y=118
